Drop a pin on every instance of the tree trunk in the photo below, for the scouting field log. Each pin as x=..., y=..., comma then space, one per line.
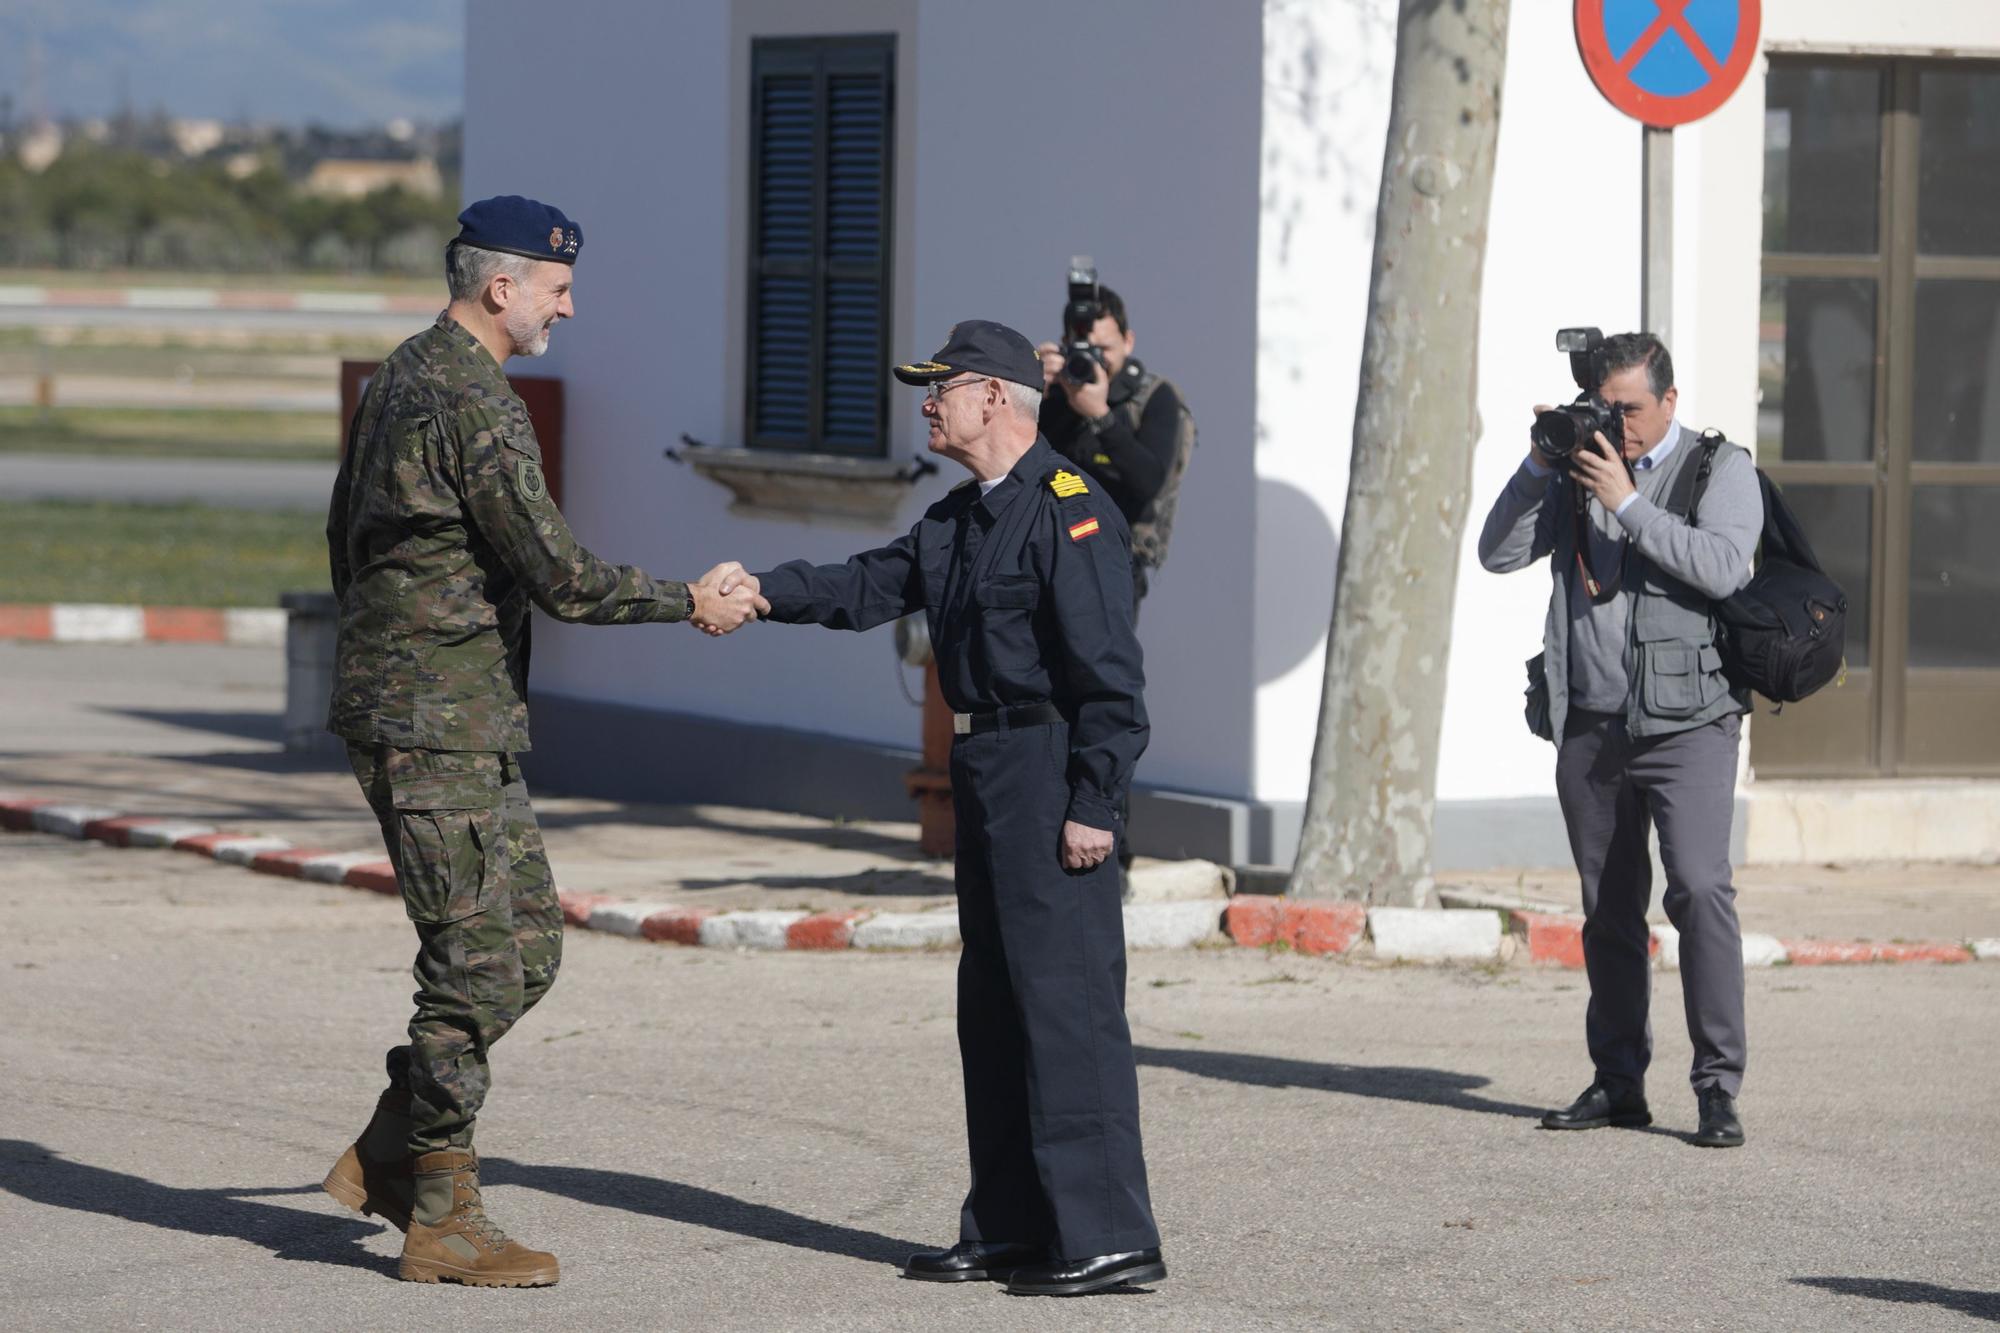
x=1367, y=829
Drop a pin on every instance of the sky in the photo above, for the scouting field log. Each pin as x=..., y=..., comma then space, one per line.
x=344, y=63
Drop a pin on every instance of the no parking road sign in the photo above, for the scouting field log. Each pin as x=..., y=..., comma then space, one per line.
x=1667, y=62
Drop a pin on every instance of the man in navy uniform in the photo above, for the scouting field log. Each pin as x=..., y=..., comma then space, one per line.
x=1025, y=575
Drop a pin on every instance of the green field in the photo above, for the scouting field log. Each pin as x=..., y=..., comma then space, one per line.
x=171, y=432
x=157, y=555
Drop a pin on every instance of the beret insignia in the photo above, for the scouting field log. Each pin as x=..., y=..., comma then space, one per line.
x=555, y=238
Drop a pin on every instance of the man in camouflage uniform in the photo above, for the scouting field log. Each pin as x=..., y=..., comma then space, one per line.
x=441, y=534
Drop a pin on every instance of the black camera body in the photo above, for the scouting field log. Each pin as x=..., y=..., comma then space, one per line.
x=1561, y=431
x=1081, y=360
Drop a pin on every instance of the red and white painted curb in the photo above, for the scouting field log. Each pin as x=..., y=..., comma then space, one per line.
x=218, y=298
x=1395, y=934
x=92, y=622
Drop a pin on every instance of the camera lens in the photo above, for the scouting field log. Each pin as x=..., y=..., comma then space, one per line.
x=1080, y=363
x=1555, y=433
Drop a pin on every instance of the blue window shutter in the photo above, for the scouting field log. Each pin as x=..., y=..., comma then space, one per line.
x=822, y=142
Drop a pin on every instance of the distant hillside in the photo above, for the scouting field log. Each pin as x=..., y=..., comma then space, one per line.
x=330, y=61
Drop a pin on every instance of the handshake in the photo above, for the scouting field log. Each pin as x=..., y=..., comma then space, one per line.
x=725, y=598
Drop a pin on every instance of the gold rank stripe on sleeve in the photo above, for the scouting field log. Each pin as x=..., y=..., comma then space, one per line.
x=1078, y=531
x=1065, y=484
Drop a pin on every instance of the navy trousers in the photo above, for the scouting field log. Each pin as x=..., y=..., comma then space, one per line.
x=1051, y=1092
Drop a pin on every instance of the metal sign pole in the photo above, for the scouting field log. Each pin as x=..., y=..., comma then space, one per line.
x=1656, y=236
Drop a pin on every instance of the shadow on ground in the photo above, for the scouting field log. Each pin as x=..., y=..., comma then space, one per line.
x=831, y=835
x=249, y=726
x=861, y=884
x=1425, y=1087
x=1429, y=1087
x=651, y=1197
x=1973, y=1304
x=32, y=1172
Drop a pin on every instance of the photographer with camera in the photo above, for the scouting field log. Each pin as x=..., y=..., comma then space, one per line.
x=1125, y=425
x=1630, y=688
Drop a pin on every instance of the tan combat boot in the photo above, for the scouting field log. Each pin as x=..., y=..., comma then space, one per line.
x=373, y=1175
x=452, y=1240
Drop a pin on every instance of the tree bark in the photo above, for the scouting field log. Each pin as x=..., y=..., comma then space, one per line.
x=1368, y=815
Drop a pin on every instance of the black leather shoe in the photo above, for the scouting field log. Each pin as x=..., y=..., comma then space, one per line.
x=1719, y=1126
x=973, y=1261
x=1597, y=1108
x=1080, y=1277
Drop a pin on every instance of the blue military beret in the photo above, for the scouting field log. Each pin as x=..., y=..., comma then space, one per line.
x=517, y=226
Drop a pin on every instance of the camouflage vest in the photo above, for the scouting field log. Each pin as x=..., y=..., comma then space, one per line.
x=1155, y=526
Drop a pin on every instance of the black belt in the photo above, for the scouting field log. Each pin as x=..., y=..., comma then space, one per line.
x=1006, y=719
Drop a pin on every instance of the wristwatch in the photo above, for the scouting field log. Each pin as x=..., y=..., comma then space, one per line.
x=687, y=591
x=1098, y=425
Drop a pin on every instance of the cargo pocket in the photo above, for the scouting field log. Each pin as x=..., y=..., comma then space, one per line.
x=1673, y=681
x=1714, y=682
x=450, y=855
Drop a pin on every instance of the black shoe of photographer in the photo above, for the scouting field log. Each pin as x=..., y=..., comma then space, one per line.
x=973, y=1261
x=1599, y=1107
x=1720, y=1127
x=1080, y=1277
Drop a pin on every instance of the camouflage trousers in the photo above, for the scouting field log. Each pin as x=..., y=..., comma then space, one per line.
x=476, y=884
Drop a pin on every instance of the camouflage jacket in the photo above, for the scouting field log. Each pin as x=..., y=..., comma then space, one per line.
x=441, y=532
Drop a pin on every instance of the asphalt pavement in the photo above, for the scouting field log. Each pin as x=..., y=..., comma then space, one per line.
x=228, y=483
x=389, y=324
x=712, y=1139
x=718, y=1140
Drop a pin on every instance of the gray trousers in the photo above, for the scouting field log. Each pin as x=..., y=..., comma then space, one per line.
x=1613, y=789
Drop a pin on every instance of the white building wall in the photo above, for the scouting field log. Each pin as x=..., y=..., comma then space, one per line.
x=1548, y=264
x=1564, y=248
x=1164, y=196
x=1326, y=110
x=641, y=138
x=1229, y=193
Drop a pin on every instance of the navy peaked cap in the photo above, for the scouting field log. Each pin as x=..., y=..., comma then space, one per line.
x=981, y=347
x=516, y=226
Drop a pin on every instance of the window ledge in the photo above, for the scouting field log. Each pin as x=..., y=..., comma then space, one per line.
x=774, y=483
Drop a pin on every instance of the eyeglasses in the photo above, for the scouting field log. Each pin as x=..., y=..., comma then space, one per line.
x=935, y=394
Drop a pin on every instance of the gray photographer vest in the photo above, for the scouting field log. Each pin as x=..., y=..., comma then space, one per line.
x=1676, y=672
x=1155, y=526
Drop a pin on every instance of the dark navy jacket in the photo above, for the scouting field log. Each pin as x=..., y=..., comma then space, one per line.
x=1028, y=590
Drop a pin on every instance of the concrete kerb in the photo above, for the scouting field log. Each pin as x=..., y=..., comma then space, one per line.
x=92, y=622
x=1470, y=933
x=69, y=821
x=908, y=930
x=1420, y=935
x=332, y=867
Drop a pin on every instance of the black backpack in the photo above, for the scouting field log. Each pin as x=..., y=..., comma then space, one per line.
x=1784, y=633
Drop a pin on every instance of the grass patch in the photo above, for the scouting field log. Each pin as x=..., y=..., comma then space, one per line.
x=25, y=343
x=178, y=432
x=158, y=555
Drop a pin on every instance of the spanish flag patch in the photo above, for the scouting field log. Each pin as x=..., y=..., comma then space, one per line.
x=1065, y=484
x=1078, y=531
